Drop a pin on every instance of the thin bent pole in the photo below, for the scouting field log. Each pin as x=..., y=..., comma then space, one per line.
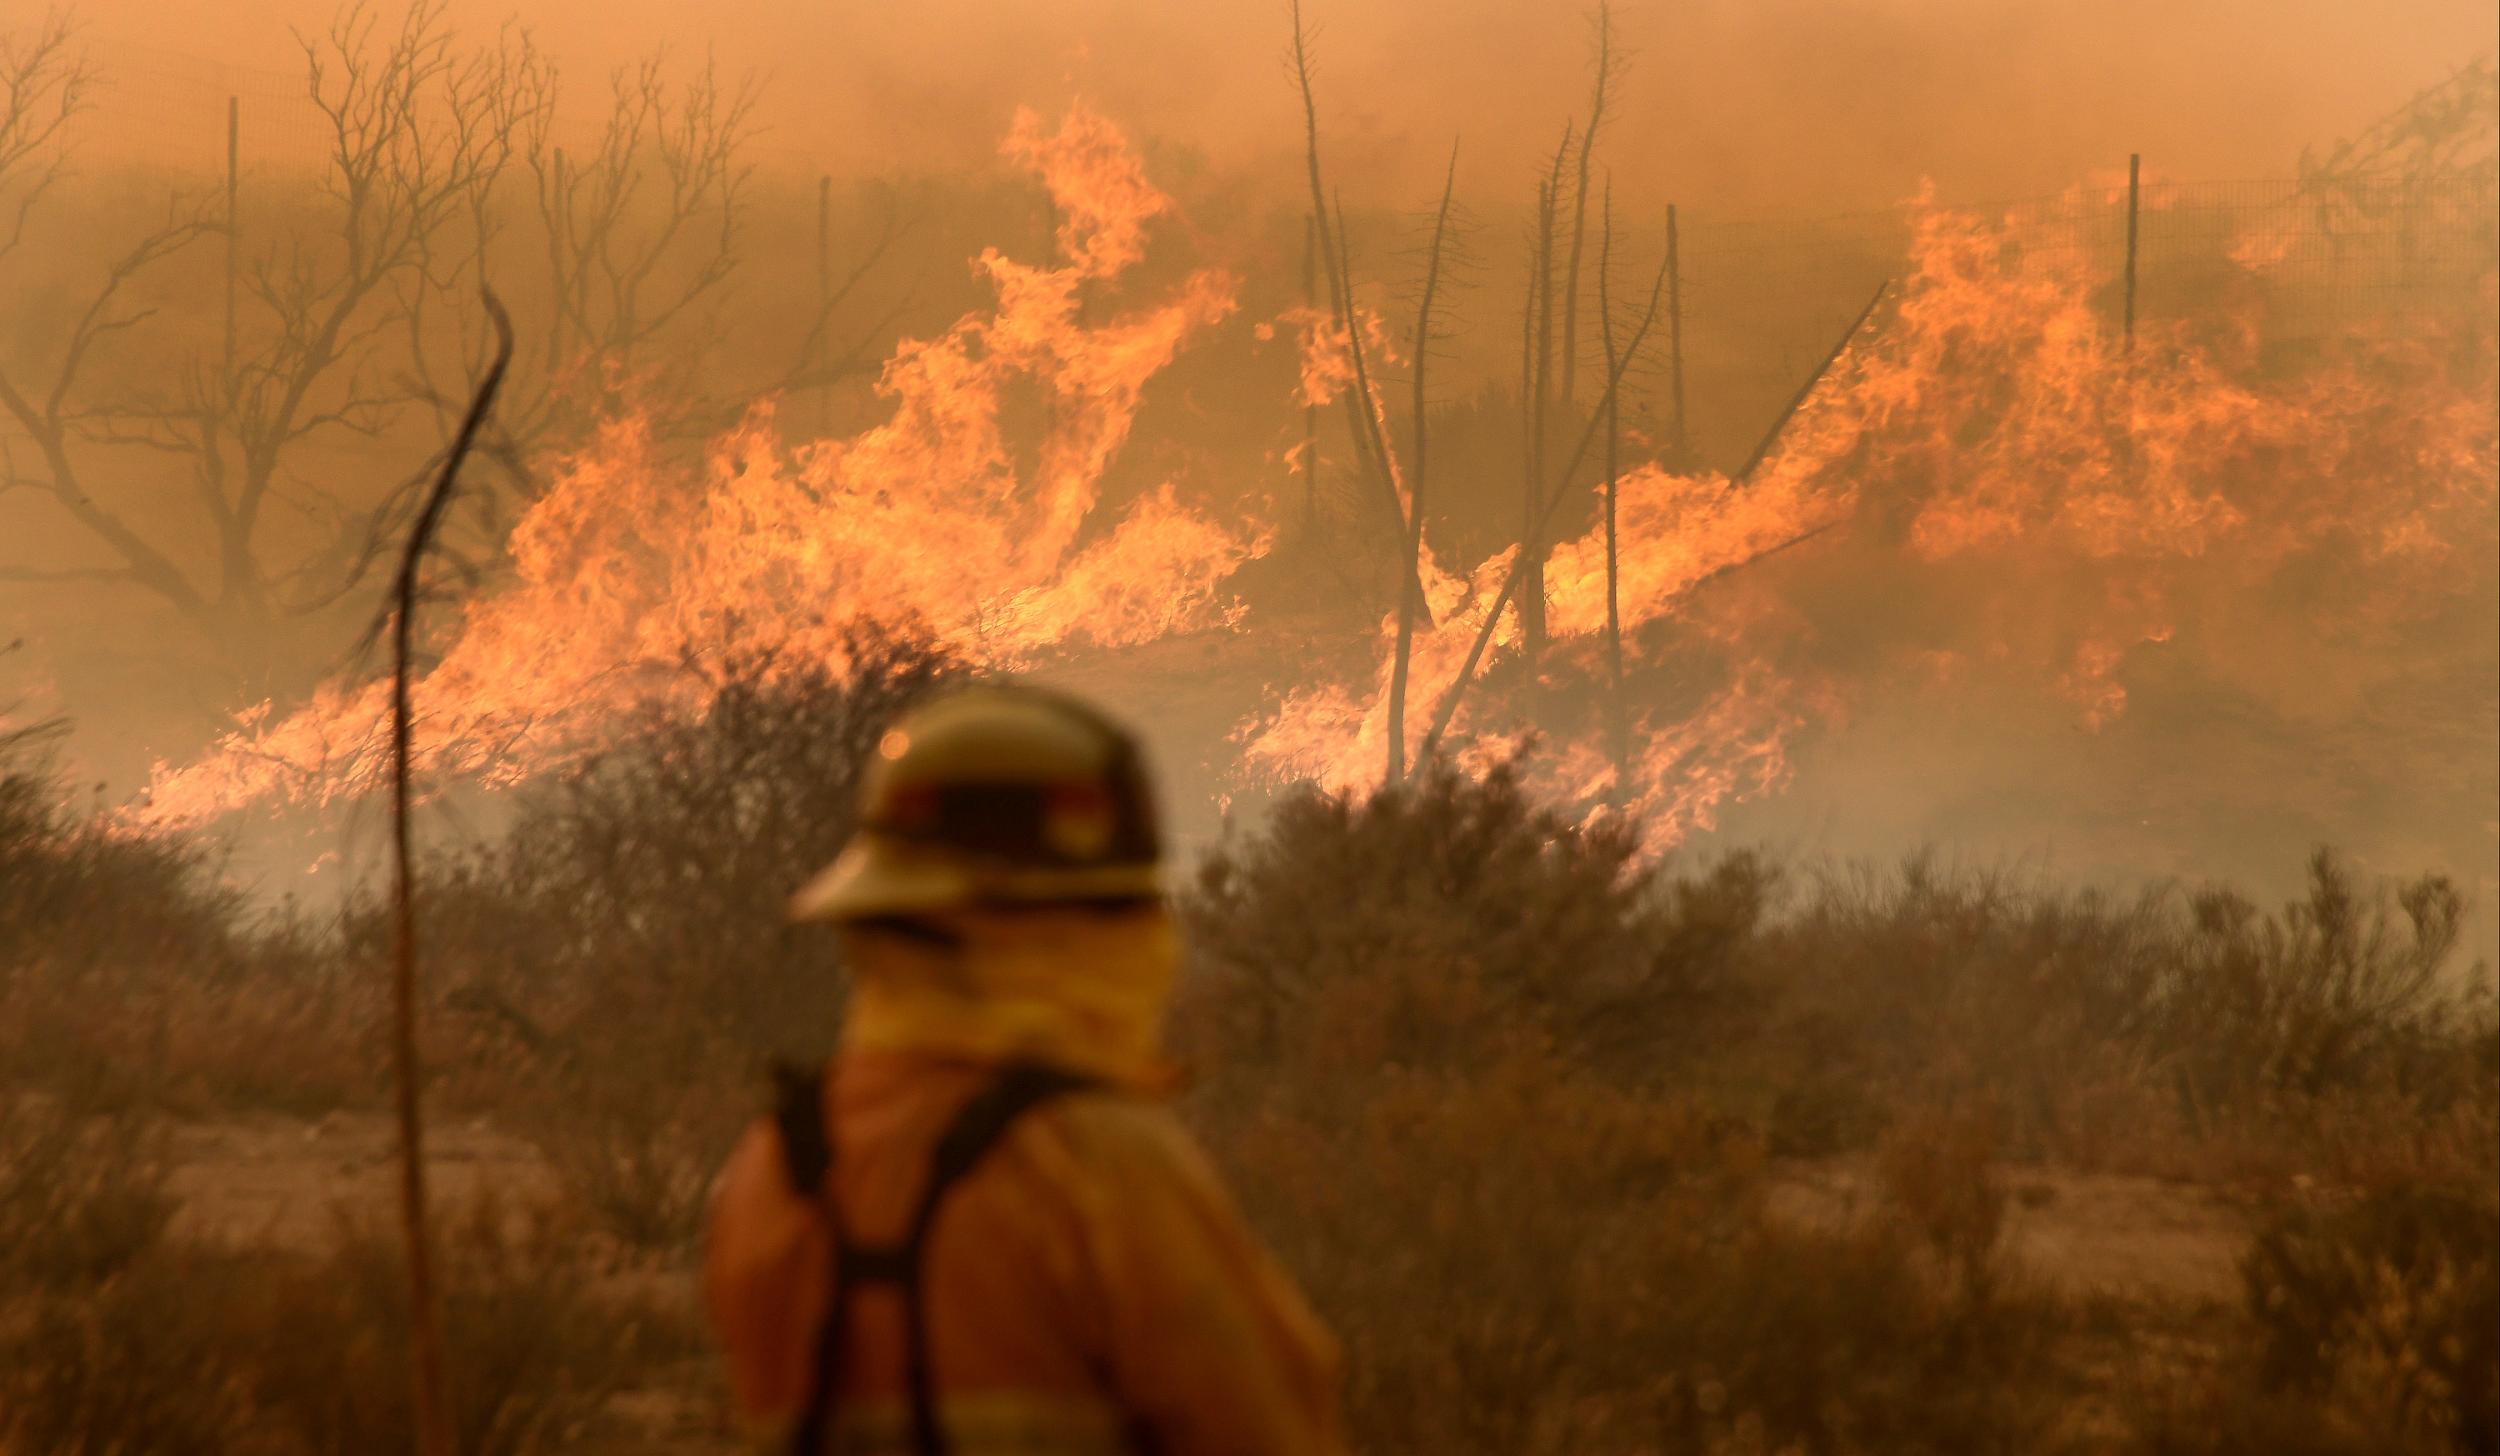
x=436, y=1435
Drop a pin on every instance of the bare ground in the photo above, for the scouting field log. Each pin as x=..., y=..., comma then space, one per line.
x=2087, y=1235
x=2136, y=1242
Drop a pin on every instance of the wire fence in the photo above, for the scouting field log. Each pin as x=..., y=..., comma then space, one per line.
x=2314, y=258
x=2327, y=248
x=2317, y=253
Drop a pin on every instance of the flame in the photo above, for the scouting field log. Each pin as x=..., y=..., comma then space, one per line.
x=635, y=563
x=1991, y=484
x=1326, y=349
x=2014, y=489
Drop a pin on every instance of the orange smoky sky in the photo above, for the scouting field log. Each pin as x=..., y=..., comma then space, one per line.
x=1731, y=105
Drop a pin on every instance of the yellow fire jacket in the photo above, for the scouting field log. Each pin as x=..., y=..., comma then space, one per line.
x=1088, y=1287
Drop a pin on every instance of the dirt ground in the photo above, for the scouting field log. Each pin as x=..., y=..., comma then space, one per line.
x=282, y=1182
x=2088, y=1235
x=2134, y=1241
x=286, y=1183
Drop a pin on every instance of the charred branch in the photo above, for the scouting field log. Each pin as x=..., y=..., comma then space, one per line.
x=1805, y=391
x=1410, y=596
x=1363, y=409
x=1511, y=580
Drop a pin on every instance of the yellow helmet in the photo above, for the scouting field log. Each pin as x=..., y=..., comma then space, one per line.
x=995, y=795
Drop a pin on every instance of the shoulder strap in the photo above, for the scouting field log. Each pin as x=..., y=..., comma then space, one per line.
x=982, y=1121
x=976, y=1128
x=799, y=1115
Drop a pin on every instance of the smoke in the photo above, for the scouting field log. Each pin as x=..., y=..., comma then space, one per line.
x=1735, y=104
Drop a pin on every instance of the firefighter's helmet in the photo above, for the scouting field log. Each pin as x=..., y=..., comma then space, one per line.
x=995, y=796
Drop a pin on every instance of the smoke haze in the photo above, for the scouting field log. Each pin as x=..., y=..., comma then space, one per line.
x=1741, y=105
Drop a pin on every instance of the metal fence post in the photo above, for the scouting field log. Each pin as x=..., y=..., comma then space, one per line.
x=2135, y=178
x=824, y=303
x=1675, y=335
x=234, y=154
x=1310, y=409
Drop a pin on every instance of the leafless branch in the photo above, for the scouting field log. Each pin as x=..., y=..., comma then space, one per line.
x=1519, y=564
x=1363, y=412
x=44, y=82
x=1410, y=596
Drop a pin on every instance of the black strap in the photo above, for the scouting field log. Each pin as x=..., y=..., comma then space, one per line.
x=799, y=1112
x=976, y=1128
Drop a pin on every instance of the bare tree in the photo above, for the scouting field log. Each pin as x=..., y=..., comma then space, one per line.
x=1410, y=596
x=633, y=245
x=1536, y=401
x=1606, y=67
x=416, y=132
x=819, y=364
x=1618, y=723
x=2427, y=162
x=353, y=330
x=1512, y=581
x=1362, y=401
x=44, y=82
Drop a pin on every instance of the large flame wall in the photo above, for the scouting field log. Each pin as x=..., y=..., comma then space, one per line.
x=1991, y=500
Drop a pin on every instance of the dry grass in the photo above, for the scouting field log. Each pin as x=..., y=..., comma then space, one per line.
x=81, y=1196
x=167, y=1345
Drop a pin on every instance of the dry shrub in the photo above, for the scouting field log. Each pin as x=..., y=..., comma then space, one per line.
x=81, y=1196
x=2108, y=1031
x=1523, y=1257
x=183, y=1039
x=1937, y=1169
x=2342, y=988
x=535, y=1348
x=191, y=1348
x=635, y=1137
x=1556, y=925
x=652, y=878
x=82, y=895
x=1441, y=1037
x=2371, y=1322
x=143, y=1361
x=129, y=973
x=2388, y=1306
x=618, y=967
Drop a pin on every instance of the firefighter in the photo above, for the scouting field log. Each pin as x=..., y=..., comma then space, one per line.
x=980, y=1229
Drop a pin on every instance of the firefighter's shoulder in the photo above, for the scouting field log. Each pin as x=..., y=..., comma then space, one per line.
x=1114, y=1140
